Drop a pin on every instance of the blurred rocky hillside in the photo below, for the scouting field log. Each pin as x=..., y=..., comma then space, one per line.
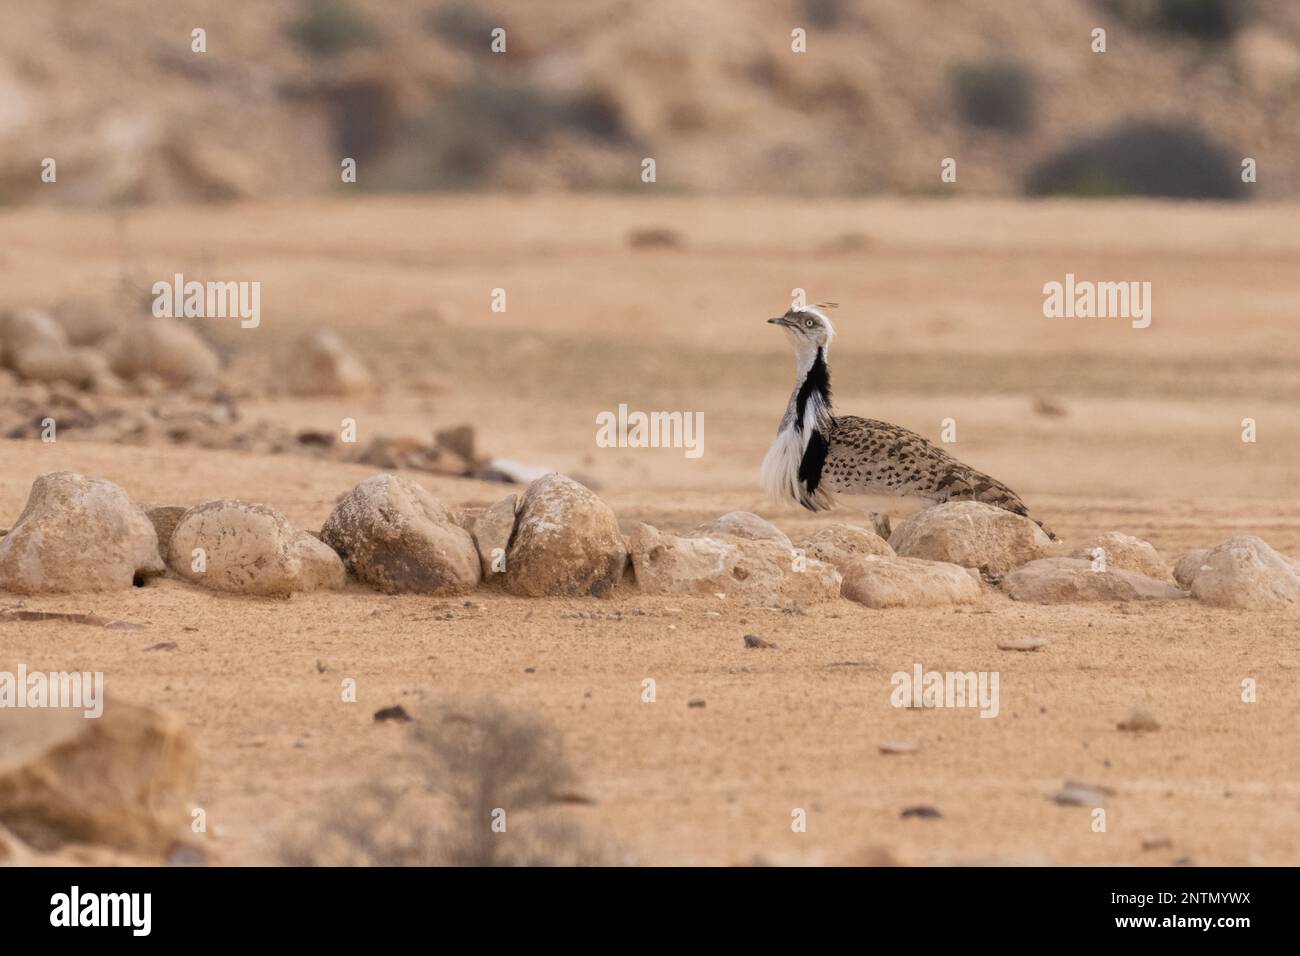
x=710, y=89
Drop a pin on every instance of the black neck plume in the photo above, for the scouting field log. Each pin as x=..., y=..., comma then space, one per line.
x=817, y=381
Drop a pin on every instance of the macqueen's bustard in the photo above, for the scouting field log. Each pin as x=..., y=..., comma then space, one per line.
x=817, y=453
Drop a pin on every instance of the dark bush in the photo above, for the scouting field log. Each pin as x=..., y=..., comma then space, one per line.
x=458, y=144
x=823, y=13
x=365, y=115
x=465, y=24
x=1143, y=159
x=1207, y=20
x=994, y=94
x=1203, y=19
x=327, y=28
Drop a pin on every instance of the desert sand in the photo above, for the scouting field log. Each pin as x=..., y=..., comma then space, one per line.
x=940, y=317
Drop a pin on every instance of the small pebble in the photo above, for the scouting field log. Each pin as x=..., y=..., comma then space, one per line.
x=1139, y=720
x=753, y=640
x=1076, y=794
x=922, y=812
x=899, y=747
x=695, y=702
x=183, y=854
x=396, y=712
x=1022, y=644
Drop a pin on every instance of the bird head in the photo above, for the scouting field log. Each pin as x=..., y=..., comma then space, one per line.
x=807, y=326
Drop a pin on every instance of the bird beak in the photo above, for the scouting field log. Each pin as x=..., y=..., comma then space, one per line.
x=779, y=320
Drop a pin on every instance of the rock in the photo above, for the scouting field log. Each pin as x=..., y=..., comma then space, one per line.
x=84, y=321
x=250, y=548
x=396, y=713
x=89, y=620
x=899, y=747
x=23, y=329
x=908, y=582
x=973, y=535
x=164, y=519
x=1022, y=644
x=1189, y=565
x=147, y=383
x=458, y=440
x=321, y=364
x=844, y=545
x=1127, y=553
x=396, y=537
x=165, y=348
x=321, y=567
x=1049, y=407
x=77, y=534
x=742, y=524
x=921, y=812
x=1244, y=572
x=13, y=852
x=77, y=366
x=1139, y=720
x=566, y=542
x=754, y=641
x=654, y=237
x=121, y=780
x=1078, y=794
x=491, y=531
x=1070, y=580
x=1266, y=62
x=465, y=517
x=871, y=856
x=185, y=854
x=758, y=571
x=390, y=452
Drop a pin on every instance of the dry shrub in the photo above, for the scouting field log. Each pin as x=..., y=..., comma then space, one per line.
x=994, y=94
x=465, y=23
x=327, y=28
x=461, y=141
x=463, y=764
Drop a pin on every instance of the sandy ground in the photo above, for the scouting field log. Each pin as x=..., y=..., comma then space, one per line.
x=940, y=317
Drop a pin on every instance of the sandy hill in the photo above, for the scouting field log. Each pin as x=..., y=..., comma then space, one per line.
x=588, y=88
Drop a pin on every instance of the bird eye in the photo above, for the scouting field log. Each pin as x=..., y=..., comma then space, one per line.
x=808, y=323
